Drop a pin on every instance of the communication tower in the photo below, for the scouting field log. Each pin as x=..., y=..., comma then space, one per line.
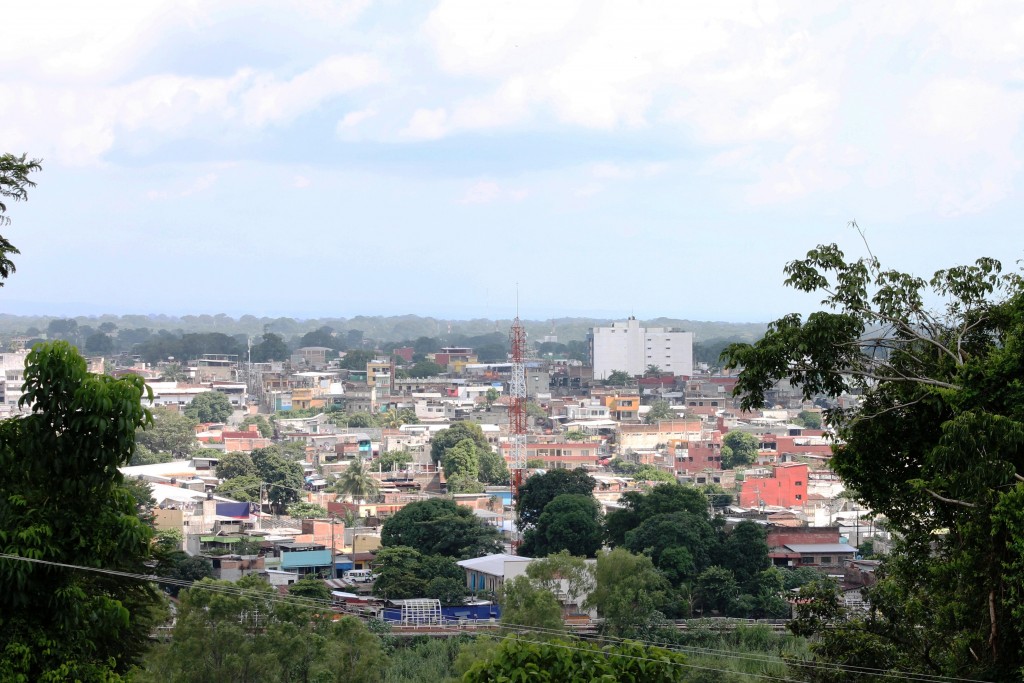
x=517, y=413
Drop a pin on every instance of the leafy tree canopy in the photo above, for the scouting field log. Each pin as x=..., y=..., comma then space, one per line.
x=540, y=489
x=440, y=527
x=571, y=522
x=169, y=432
x=742, y=449
x=578, y=661
x=936, y=443
x=446, y=438
x=14, y=185
x=231, y=465
x=662, y=499
x=62, y=499
x=210, y=406
x=629, y=593
x=307, y=511
x=660, y=410
x=270, y=348
x=356, y=359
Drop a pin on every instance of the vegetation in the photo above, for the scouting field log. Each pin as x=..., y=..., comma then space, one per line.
x=250, y=637
x=283, y=476
x=210, y=406
x=447, y=438
x=578, y=661
x=264, y=427
x=307, y=511
x=390, y=461
x=62, y=499
x=357, y=483
x=742, y=449
x=403, y=572
x=169, y=432
x=14, y=185
x=660, y=410
x=440, y=527
x=540, y=489
x=570, y=522
x=935, y=445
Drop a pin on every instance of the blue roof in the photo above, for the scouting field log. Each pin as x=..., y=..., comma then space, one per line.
x=306, y=558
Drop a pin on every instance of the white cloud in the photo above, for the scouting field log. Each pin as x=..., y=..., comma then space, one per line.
x=426, y=124
x=197, y=186
x=301, y=182
x=488, y=191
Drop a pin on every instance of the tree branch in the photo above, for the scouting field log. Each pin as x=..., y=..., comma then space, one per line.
x=953, y=501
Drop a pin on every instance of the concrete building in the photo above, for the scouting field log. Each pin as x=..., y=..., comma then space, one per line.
x=627, y=346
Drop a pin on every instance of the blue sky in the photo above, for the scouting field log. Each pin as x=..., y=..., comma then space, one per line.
x=319, y=158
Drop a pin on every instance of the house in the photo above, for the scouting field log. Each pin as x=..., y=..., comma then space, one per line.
x=244, y=441
x=489, y=573
x=785, y=487
x=303, y=562
x=818, y=547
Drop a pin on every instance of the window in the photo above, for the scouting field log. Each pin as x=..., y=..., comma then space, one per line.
x=825, y=559
x=806, y=559
x=799, y=497
x=799, y=483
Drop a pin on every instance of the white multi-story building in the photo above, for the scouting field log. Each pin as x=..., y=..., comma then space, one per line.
x=629, y=347
x=12, y=380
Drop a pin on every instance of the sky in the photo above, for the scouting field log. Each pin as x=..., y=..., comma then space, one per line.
x=318, y=158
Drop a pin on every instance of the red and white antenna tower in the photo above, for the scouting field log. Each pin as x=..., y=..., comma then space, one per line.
x=517, y=413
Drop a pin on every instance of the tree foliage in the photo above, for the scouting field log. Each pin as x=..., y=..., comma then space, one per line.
x=440, y=527
x=402, y=572
x=357, y=483
x=226, y=635
x=524, y=604
x=742, y=449
x=571, y=522
x=270, y=348
x=936, y=443
x=169, y=432
x=526, y=659
x=62, y=499
x=540, y=489
x=629, y=593
x=660, y=410
x=231, y=465
x=14, y=185
x=446, y=438
x=210, y=406
x=283, y=476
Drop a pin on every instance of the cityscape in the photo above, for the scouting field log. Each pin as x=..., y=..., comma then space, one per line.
x=474, y=340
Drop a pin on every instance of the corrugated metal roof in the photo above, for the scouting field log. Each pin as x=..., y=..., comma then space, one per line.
x=811, y=548
x=306, y=558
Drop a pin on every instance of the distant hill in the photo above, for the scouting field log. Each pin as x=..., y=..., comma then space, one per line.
x=380, y=328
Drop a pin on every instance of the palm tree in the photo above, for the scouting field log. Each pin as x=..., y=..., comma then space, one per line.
x=356, y=482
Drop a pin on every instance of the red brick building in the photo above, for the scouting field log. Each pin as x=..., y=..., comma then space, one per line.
x=786, y=487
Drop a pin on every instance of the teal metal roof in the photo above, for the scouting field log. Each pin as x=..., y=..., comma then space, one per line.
x=306, y=558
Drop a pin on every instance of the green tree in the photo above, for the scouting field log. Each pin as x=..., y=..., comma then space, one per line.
x=935, y=443
x=62, y=499
x=446, y=438
x=629, y=593
x=241, y=632
x=231, y=465
x=271, y=348
x=169, y=432
x=210, y=406
x=144, y=456
x=535, y=463
x=742, y=449
x=745, y=552
x=661, y=500
x=652, y=473
x=425, y=368
x=540, y=489
x=575, y=435
x=356, y=359
x=617, y=378
x=518, y=659
x=283, y=477
x=571, y=522
x=14, y=185
x=809, y=419
x=461, y=461
x=243, y=488
x=716, y=588
x=440, y=527
x=660, y=410
x=524, y=604
x=402, y=572
x=357, y=482
x=493, y=468
x=264, y=427
x=491, y=396
x=562, y=572
x=307, y=511
x=361, y=420
x=390, y=461
x=311, y=588
x=98, y=343
x=681, y=544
